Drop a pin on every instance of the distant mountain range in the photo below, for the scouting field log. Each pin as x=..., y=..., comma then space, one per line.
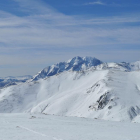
x=75, y=64
x=8, y=81
x=82, y=87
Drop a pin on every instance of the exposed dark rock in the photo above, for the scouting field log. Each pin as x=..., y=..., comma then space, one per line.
x=103, y=101
x=109, y=107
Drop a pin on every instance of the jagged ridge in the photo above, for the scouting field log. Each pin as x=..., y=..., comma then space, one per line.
x=74, y=64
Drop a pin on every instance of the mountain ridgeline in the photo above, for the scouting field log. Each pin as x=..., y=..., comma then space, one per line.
x=74, y=64
x=81, y=64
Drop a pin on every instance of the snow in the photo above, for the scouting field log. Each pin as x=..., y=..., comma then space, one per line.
x=58, y=89
x=48, y=127
x=135, y=65
x=111, y=94
x=81, y=99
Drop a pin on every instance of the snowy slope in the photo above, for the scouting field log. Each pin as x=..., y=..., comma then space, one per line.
x=74, y=64
x=103, y=94
x=29, y=95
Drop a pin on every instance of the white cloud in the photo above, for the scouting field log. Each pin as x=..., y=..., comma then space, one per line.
x=59, y=30
x=95, y=3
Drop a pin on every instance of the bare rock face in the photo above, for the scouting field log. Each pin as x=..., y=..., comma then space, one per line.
x=133, y=112
x=103, y=101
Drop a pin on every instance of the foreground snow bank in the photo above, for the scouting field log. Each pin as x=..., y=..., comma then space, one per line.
x=48, y=127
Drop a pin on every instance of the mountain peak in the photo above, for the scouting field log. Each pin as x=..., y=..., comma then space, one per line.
x=77, y=58
x=75, y=64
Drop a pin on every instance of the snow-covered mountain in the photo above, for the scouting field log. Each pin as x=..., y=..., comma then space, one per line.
x=86, y=87
x=74, y=64
x=101, y=94
x=82, y=64
x=8, y=81
x=123, y=66
x=134, y=66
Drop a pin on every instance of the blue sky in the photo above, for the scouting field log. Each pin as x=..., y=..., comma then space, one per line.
x=38, y=33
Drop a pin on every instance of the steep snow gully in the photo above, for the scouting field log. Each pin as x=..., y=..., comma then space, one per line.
x=82, y=87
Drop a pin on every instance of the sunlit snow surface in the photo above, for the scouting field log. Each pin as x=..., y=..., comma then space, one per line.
x=77, y=94
x=49, y=127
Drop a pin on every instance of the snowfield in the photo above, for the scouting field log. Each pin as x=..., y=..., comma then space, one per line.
x=48, y=127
